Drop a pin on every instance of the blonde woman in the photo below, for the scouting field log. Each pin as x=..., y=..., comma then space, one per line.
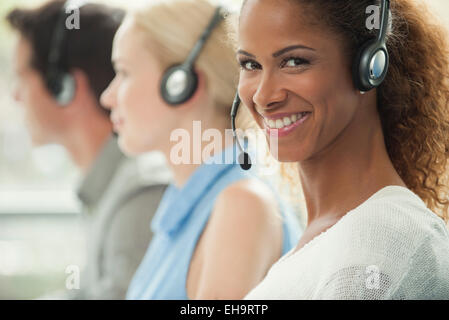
x=218, y=229
x=372, y=159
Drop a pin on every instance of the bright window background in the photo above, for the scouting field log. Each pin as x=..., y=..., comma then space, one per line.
x=40, y=226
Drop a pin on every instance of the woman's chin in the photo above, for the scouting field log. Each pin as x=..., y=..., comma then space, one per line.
x=129, y=148
x=287, y=155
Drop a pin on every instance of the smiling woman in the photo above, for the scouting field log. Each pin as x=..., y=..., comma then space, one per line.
x=372, y=164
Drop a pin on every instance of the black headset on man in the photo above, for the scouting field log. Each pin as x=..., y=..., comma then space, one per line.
x=59, y=80
x=369, y=70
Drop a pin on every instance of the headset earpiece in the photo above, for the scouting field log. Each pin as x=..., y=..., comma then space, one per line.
x=62, y=86
x=370, y=66
x=178, y=84
x=60, y=83
x=372, y=60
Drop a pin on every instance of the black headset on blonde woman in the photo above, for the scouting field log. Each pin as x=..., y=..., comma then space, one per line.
x=369, y=70
x=180, y=81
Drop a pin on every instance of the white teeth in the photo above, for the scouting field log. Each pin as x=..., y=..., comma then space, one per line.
x=287, y=121
x=279, y=124
x=284, y=122
x=294, y=118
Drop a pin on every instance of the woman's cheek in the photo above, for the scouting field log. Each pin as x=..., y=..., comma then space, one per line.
x=246, y=93
x=128, y=102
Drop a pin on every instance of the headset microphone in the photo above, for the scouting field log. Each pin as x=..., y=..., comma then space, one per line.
x=244, y=159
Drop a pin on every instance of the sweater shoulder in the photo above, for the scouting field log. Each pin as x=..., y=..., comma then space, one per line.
x=396, y=213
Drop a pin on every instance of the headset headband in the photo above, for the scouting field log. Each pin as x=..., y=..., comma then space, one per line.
x=384, y=14
x=193, y=56
x=59, y=35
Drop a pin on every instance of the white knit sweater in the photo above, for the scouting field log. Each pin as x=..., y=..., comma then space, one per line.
x=390, y=247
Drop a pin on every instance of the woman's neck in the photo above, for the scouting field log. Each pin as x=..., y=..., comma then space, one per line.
x=184, y=157
x=348, y=172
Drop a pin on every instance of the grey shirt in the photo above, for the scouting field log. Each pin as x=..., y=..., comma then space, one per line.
x=119, y=197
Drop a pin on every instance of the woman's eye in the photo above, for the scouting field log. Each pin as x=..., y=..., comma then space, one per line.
x=249, y=65
x=121, y=73
x=294, y=62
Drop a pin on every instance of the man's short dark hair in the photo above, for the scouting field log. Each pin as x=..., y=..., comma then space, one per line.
x=87, y=48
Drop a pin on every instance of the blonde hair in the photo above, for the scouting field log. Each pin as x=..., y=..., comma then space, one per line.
x=172, y=27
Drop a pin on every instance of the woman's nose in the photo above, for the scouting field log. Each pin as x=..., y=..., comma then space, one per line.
x=106, y=99
x=269, y=94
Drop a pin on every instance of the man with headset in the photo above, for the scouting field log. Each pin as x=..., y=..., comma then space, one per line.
x=61, y=75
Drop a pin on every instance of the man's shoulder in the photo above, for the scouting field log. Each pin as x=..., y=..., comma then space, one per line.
x=136, y=179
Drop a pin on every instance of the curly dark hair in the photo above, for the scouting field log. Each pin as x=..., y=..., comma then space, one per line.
x=413, y=100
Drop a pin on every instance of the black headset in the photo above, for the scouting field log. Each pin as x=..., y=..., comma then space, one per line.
x=369, y=71
x=180, y=81
x=60, y=82
x=371, y=61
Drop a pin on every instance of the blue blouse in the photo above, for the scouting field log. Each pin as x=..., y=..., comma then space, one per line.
x=178, y=223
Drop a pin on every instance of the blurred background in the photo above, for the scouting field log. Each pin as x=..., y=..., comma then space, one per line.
x=40, y=225
x=41, y=230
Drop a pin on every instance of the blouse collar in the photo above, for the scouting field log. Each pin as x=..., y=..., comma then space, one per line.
x=177, y=203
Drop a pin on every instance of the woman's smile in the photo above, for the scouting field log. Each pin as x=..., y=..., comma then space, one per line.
x=283, y=124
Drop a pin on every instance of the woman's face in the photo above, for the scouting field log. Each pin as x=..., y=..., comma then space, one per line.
x=294, y=77
x=141, y=118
